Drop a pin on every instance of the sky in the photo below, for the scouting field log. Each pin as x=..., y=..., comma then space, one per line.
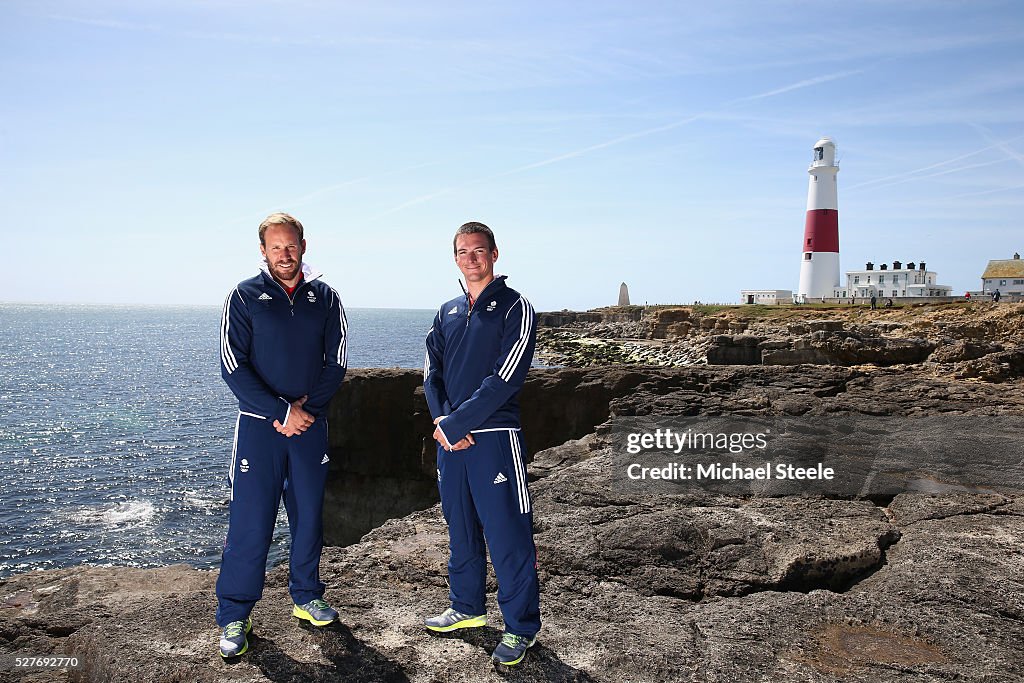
x=661, y=144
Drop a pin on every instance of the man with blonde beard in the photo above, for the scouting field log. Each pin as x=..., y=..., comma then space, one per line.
x=283, y=354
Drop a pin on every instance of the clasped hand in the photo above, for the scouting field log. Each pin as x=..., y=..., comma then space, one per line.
x=298, y=420
x=460, y=445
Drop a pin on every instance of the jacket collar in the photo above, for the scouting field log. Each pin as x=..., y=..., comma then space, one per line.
x=497, y=283
x=308, y=272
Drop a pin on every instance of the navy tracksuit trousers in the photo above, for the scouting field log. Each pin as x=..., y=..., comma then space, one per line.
x=264, y=465
x=484, y=496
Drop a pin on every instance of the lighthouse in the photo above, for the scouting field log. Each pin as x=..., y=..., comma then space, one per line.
x=819, y=269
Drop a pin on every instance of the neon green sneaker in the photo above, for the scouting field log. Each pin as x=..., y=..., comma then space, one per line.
x=449, y=620
x=512, y=649
x=234, y=640
x=316, y=612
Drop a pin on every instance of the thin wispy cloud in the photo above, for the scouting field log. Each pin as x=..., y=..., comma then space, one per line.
x=805, y=83
x=319, y=192
x=105, y=23
x=1002, y=145
x=799, y=85
x=980, y=193
x=419, y=200
x=904, y=176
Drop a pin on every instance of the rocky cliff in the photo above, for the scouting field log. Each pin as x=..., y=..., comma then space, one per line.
x=920, y=582
x=970, y=333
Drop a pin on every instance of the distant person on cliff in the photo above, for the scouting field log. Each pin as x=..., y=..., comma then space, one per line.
x=478, y=353
x=874, y=302
x=995, y=296
x=283, y=354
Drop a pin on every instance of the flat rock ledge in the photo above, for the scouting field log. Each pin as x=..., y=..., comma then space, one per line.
x=637, y=586
x=634, y=588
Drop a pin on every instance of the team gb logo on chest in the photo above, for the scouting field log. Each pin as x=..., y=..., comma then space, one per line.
x=311, y=297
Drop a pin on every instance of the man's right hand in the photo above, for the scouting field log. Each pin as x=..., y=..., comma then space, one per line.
x=298, y=420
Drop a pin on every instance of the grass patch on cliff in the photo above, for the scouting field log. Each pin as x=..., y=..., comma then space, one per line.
x=765, y=311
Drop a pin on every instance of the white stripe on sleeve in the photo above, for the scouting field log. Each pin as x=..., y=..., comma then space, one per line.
x=227, y=356
x=508, y=368
x=343, y=343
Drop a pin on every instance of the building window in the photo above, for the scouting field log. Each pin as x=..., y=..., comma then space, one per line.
x=894, y=292
x=881, y=279
x=856, y=279
x=1018, y=282
x=1002, y=283
x=869, y=279
x=807, y=256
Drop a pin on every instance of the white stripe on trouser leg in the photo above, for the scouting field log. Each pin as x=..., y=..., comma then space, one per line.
x=234, y=453
x=517, y=462
x=523, y=490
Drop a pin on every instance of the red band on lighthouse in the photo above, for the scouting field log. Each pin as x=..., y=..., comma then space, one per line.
x=821, y=230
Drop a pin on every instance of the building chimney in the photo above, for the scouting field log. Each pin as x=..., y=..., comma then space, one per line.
x=884, y=266
x=896, y=265
x=1016, y=256
x=922, y=265
x=911, y=266
x=869, y=266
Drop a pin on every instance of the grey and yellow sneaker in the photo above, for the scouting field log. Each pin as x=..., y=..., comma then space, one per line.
x=234, y=640
x=449, y=620
x=316, y=612
x=512, y=649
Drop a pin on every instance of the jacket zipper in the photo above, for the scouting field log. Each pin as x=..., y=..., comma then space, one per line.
x=291, y=301
x=469, y=304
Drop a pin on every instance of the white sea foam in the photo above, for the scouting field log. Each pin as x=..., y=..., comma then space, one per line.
x=127, y=513
x=204, y=501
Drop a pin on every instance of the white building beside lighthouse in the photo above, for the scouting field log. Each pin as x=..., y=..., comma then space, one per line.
x=912, y=280
x=819, y=265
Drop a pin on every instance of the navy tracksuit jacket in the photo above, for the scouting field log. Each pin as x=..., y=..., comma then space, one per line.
x=476, y=362
x=274, y=350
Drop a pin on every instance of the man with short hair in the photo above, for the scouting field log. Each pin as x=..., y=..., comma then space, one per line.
x=478, y=353
x=283, y=354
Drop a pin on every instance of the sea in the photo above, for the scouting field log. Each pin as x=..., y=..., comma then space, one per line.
x=116, y=430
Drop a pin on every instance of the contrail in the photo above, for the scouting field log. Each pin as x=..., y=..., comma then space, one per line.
x=806, y=83
x=306, y=198
x=419, y=200
x=984, y=192
x=947, y=171
x=1003, y=145
x=935, y=165
x=798, y=85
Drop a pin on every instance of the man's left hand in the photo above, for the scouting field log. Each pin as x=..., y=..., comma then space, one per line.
x=440, y=438
x=298, y=419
